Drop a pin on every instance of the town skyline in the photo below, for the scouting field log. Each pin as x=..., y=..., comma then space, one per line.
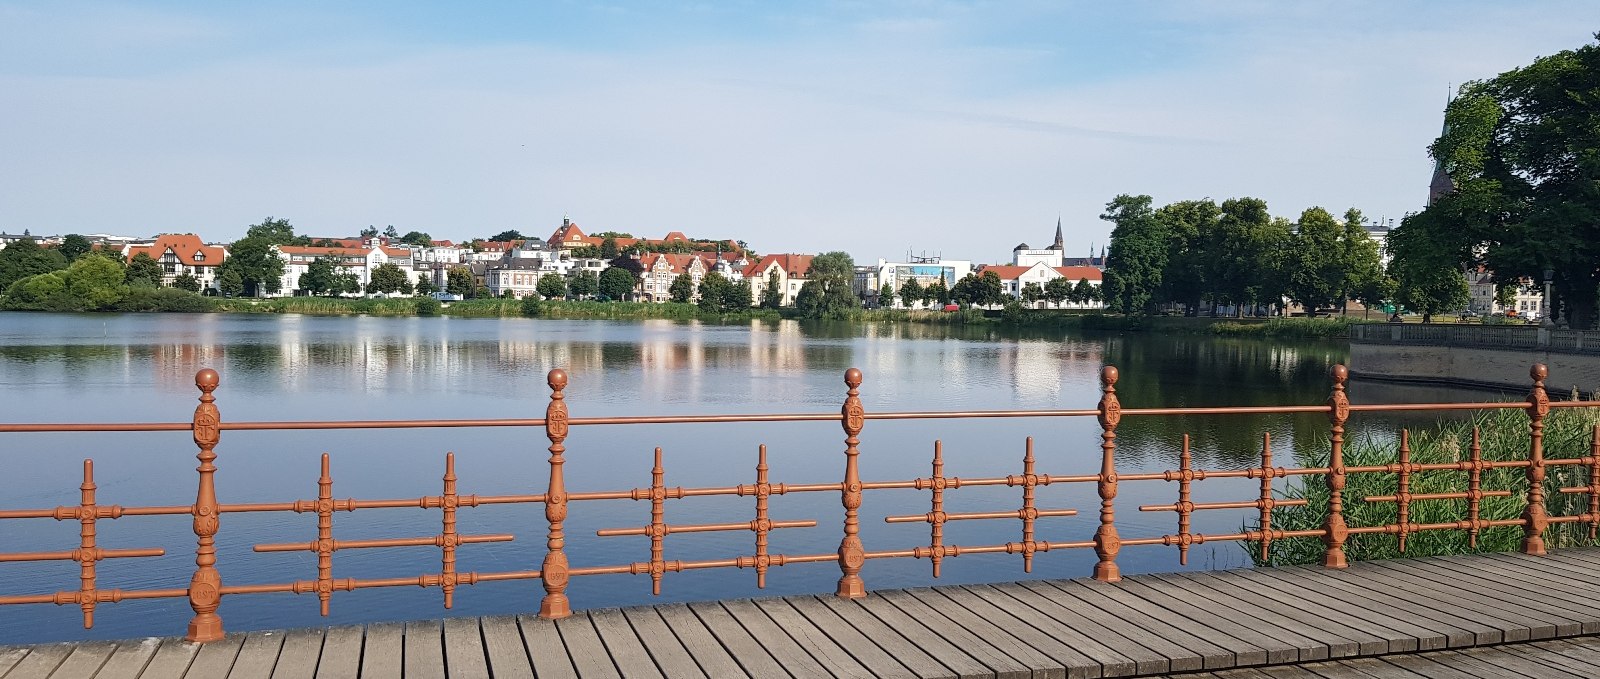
x=871, y=129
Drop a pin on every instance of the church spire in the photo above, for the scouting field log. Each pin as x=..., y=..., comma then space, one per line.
x=1060, y=245
x=1441, y=183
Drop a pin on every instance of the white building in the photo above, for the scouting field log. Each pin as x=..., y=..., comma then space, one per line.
x=297, y=260
x=925, y=273
x=179, y=254
x=1013, y=279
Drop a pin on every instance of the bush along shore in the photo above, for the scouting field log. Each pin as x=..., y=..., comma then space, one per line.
x=1502, y=436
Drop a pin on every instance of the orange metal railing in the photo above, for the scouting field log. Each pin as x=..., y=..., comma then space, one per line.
x=206, y=590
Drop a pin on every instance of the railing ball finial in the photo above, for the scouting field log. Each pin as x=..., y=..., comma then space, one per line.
x=852, y=378
x=1539, y=372
x=207, y=380
x=557, y=379
x=1108, y=376
x=1340, y=375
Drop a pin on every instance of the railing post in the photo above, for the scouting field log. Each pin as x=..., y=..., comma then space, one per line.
x=851, y=554
x=1334, y=529
x=1534, y=514
x=554, y=570
x=1106, y=541
x=205, y=588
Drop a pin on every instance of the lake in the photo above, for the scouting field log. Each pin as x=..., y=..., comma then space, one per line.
x=111, y=368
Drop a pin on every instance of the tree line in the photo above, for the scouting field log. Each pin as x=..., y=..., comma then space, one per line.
x=1199, y=254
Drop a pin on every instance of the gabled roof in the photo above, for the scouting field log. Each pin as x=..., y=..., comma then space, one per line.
x=317, y=251
x=443, y=244
x=796, y=266
x=184, y=246
x=402, y=253
x=1077, y=273
x=677, y=263
x=1005, y=272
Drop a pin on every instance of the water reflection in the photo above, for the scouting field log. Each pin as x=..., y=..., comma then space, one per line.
x=141, y=367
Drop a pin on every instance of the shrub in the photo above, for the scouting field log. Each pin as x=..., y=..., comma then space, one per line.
x=428, y=306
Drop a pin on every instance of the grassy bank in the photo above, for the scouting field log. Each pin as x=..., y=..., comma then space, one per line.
x=474, y=308
x=1094, y=321
x=1503, y=435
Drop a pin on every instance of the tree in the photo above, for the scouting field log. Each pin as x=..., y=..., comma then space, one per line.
x=830, y=276
x=552, y=286
x=910, y=293
x=1058, y=290
x=391, y=233
x=369, y=232
x=1505, y=294
x=276, y=232
x=318, y=276
x=388, y=278
x=25, y=258
x=347, y=283
x=937, y=292
x=583, y=283
x=712, y=292
x=587, y=252
x=1137, y=255
x=186, y=281
x=608, y=248
x=506, y=236
x=417, y=238
x=737, y=296
x=142, y=270
x=95, y=282
x=74, y=246
x=616, y=282
x=425, y=286
x=962, y=292
x=1428, y=279
x=772, y=292
x=1362, y=264
x=1084, y=292
x=256, y=261
x=682, y=288
x=1031, y=294
x=1316, y=261
x=458, y=281
x=1191, y=227
x=885, y=294
x=229, y=282
x=988, y=290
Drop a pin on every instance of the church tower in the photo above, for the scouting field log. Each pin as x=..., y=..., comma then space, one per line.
x=1060, y=245
x=1441, y=184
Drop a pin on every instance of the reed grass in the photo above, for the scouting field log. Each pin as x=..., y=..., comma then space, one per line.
x=1503, y=436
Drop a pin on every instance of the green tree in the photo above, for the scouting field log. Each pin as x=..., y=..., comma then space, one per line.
x=369, y=232
x=391, y=233
x=458, y=281
x=74, y=246
x=1084, y=292
x=276, y=232
x=586, y=252
x=425, y=286
x=1244, y=254
x=1031, y=294
x=712, y=287
x=682, y=288
x=772, y=292
x=388, y=278
x=962, y=292
x=989, y=290
x=318, y=276
x=737, y=296
x=347, y=283
x=186, y=281
x=142, y=270
x=1316, y=261
x=885, y=294
x=910, y=293
x=506, y=236
x=25, y=258
x=95, y=282
x=41, y=292
x=1428, y=279
x=229, y=282
x=256, y=261
x=1137, y=256
x=616, y=283
x=1505, y=295
x=583, y=283
x=1058, y=290
x=417, y=238
x=1191, y=227
x=830, y=277
x=937, y=291
x=552, y=286
x=608, y=248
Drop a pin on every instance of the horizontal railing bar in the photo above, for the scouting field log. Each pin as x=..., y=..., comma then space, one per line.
x=669, y=529
x=436, y=541
x=101, y=596
x=1439, y=496
x=77, y=554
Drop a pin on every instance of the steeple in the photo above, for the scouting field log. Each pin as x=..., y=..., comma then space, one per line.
x=1441, y=183
x=1059, y=244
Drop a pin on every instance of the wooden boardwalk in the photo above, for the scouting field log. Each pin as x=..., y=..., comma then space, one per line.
x=1477, y=616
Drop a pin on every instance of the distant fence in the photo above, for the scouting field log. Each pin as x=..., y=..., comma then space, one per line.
x=1517, y=337
x=206, y=591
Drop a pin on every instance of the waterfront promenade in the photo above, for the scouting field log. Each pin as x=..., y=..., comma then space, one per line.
x=1470, y=616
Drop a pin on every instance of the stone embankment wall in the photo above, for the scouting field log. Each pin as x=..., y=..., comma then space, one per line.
x=1476, y=356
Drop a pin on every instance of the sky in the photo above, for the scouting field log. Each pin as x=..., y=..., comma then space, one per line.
x=878, y=128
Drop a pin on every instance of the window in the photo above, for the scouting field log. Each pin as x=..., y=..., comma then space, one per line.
x=199, y=256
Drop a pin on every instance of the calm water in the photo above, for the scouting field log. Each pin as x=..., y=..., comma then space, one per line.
x=104, y=368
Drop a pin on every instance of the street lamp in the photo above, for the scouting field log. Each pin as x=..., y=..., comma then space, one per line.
x=1547, y=319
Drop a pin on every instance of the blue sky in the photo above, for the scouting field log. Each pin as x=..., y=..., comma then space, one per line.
x=874, y=127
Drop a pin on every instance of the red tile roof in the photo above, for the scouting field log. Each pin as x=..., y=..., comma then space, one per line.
x=796, y=266
x=1006, y=273
x=1078, y=273
x=184, y=246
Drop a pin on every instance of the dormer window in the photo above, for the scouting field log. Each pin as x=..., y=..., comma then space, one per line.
x=199, y=256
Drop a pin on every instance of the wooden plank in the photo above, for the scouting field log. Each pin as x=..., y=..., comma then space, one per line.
x=1584, y=651
x=502, y=645
x=424, y=650
x=1489, y=663
x=875, y=654
x=623, y=645
x=1363, y=668
x=1101, y=648
x=583, y=644
x=215, y=659
x=129, y=660
x=258, y=656
x=545, y=649
x=86, y=659
x=40, y=661
x=1517, y=626
x=343, y=649
x=10, y=656
x=1578, y=601
x=1542, y=620
x=1424, y=664
x=873, y=611
x=1061, y=644
x=1311, y=613
x=860, y=658
x=783, y=649
x=750, y=655
x=463, y=649
x=1558, y=561
x=1545, y=656
x=941, y=660
x=1402, y=634
x=1150, y=655
x=383, y=653
x=1388, y=639
x=697, y=640
x=998, y=657
x=1486, y=588
x=1215, y=652
x=1313, y=642
x=1275, y=648
x=302, y=648
x=1529, y=575
x=1437, y=629
x=665, y=648
x=171, y=661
